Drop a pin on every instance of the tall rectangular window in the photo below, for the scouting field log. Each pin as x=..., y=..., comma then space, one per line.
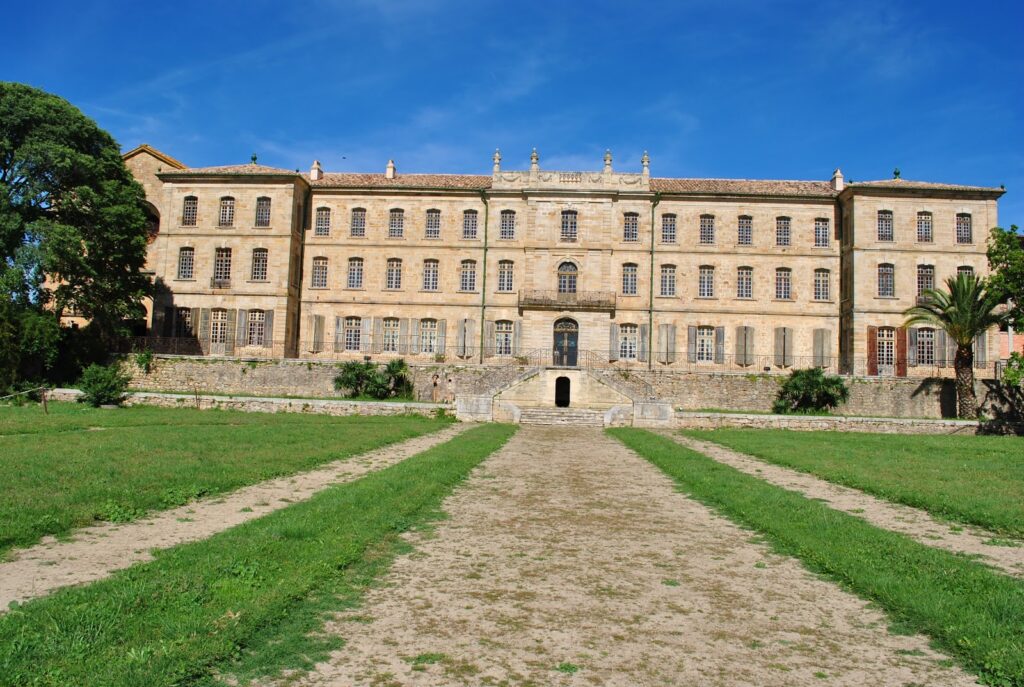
x=745, y=282
x=260, y=258
x=190, y=211
x=508, y=225
x=964, y=233
x=355, y=273
x=885, y=230
x=353, y=333
x=319, y=276
x=393, y=276
x=705, y=344
x=323, y=222
x=357, y=224
x=925, y=279
x=428, y=336
x=256, y=334
x=503, y=337
x=783, y=231
x=707, y=229
x=822, y=234
x=218, y=326
x=822, y=285
x=629, y=279
x=505, y=276
x=467, y=275
x=745, y=230
x=569, y=227
x=886, y=281
x=668, y=280
x=396, y=224
x=263, y=212
x=886, y=350
x=469, y=224
x=924, y=227
x=926, y=346
x=433, y=229
x=391, y=334
x=186, y=262
x=227, y=212
x=631, y=227
x=706, y=282
x=430, y=274
x=222, y=265
x=783, y=284
x=183, y=322
x=628, y=341
x=668, y=228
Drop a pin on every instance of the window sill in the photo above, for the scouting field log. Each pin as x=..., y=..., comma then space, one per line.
x=886, y=298
x=182, y=279
x=470, y=238
x=431, y=238
x=816, y=300
x=321, y=236
x=504, y=293
x=395, y=238
x=355, y=288
x=258, y=281
x=630, y=295
x=261, y=228
x=392, y=290
x=784, y=300
x=664, y=296
x=225, y=226
x=357, y=236
x=188, y=226
x=430, y=291
x=461, y=291
x=744, y=298
x=706, y=298
x=317, y=288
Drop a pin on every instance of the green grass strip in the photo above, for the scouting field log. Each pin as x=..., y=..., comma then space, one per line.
x=969, y=479
x=199, y=607
x=78, y=465
x=972, y=612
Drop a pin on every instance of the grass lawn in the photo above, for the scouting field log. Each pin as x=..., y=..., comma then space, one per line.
x=978, y=480
x=78, y=464
x=972, y=613
x=247, y=601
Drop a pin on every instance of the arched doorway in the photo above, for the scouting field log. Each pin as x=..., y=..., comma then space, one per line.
x=566, y=342
x=562, y=389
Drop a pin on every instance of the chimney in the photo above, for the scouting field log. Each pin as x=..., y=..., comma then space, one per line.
x=316, y=172
x=837, y=180
x=607, y=161
x=389, y=171
x=645, y=162
x=497, y=160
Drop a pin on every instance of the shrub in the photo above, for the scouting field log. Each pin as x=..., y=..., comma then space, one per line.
x=810, y=390
x=366, y=379
x=144, y=361
x=103, y=385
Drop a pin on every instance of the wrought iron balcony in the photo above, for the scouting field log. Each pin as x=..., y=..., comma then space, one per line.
x=538, y=299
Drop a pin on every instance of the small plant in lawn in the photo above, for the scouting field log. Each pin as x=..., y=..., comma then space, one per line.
x=810, y=391
x=567, y=668
x=103, y=385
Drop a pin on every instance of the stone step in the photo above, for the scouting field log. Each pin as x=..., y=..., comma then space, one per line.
x=576, y=417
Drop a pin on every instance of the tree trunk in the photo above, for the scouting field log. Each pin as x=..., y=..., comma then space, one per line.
x=966, y=401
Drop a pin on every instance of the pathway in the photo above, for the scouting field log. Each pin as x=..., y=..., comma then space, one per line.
x=567, y=559
x=94, y=552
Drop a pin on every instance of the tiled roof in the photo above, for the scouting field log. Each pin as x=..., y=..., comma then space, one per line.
x=922, y=185
x=236, y=169
x=746, y=187
x=452, y=181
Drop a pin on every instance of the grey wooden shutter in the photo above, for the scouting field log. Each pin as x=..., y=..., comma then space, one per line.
x=414, y=335
x=749, y=333
x=366, y=335
x=318, y=331
x=613, y=341
x=788, y=356
x=242, y=330
x=490, y=347
x=268, y=329
x=719, y=345
x=470, y=337
x=741, y=346
x=912, y=347
x=308, y=333
x=460, y=338
x=403, y=336
x=940, y=347
x=517, y=337
x=378, y=334
x=662, y=350
x=339, y=334
x=780, y=346
x=826, y=347
x=645, y=333
x=204, y=325
x=981, y=350
x=196, y=315
x=691, y=344
x=817, y=353
x=670, y=354
x=229, y=339
x=442, y=335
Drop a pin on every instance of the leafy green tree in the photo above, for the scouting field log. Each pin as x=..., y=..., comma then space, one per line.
x=964, y=310
x=810, y=390
x=1006, y=259
x=72, y=227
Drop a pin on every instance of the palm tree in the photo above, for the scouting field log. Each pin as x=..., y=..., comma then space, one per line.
x=966, y=310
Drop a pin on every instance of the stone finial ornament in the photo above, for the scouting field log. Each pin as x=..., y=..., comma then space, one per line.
x=534, y=161
x=896, y=173
x=645, y=163
x=497, y=160
x=389, y=171
x=316, y=172
x=608, y=161
x=253, y=158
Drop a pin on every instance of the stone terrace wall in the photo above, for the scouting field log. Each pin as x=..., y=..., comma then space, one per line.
x=810, y=423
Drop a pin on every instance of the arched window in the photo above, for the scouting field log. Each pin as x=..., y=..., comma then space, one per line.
x=357, y=224
x=964, y=269
x=668, y=280
x=263, y=212
x=668, y=228
x=430, y=274
x=319, y=274
x=396, y=224
x=886, y=280
x=745, y=230
x=186, y=262
x=428, y=336
x=822, y=233
x=706, y=282
x=507, y=229
x=783, y=284
x=260, y=258
x=783, y=231
x=390, y=330
x=924, y=227
x=355, y=273
x=744, y=282
x=569, y=227
x=885, y=230
x=189, y=211
x=628, y=341
x=256, y=333
x=964, y=233
x=506, y=276
x=227, y=212
x=393, y=276
x=567, y=274
x=707, y=229
x=467, y=275
x=469, y=224
x=631, y=226
x=822, y=285
x=323, y=222
x=503, y=337
x=218, y=326
x=433, y=229
x=629, y=279
x=925, y=280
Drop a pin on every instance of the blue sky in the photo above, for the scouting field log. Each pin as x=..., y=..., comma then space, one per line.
x=751, y=89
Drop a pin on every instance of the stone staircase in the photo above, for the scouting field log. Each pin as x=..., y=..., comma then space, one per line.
x=576, y=417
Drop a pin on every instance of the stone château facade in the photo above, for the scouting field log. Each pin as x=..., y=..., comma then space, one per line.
x=556, y=268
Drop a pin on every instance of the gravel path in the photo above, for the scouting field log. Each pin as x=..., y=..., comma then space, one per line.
x=94, y=552
x=567, y=559
x=913, y=522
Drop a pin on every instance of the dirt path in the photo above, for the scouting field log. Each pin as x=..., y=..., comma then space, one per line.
x=568, y=560
x=94, y=552
x=913, y=522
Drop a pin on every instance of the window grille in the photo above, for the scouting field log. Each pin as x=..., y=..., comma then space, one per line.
x=886, y=281
x=569, y=227
x=745, y=230
x=885, y=230
x=631, y=227
x=319, y=276
x=218, y=326
x=391, y=334
x=822, y=285
x=964, y=233
x=705, y=344
x=430, y=275
x=393, y=277
x=508, y=225
x=668, y=228
x=505, y=276
x=355, y=273
x=222, y=265
x=260, y=258
x=822, y=234
x=433, y=230
x=744, y=282
x=263, y=212
x=190, y=211
x=707, y=229
x=227, y=212
x=323, y=222
x=629, y=279
x=924, y=227
x=428, y=336
x=783, y=231
x=706, y=282
x=467, y=276
x=503, y=337
x=783, y=284
x=469, y=222
x=668, y=280
x=567, y=277
x=257, y=328
x=628, y=341
x=396, y=224
x=353, y=333
x=357, y=225
x=186, y=262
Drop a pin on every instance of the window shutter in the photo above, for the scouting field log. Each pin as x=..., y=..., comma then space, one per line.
x=750, y=345
x=816, y=360
x=318, y=331
x=471, y=331
x=780, y=346
x=365, y=336
x=741, y=346
x=613, y=341
x=378, y=334
x=826, y=348
x=242, y=330
x=901, y=352
x=490, y=347
x=403, y=336
x=460, y=339
x=414, y=335
x=940, y=347
x=196, y=315
x=204, y=330
x=719, y=345
x=229, y=338
x=442, y=335
x=872, y=351
x=268, y=329
x=691, y=344
x=662, y=351
x=517, y=337
x=163, y=321
x=644, y=343
x=981, y=350
x=788, y=349
x=308, y=333
x=912, y=347
x=670, y=354
x=339, y=334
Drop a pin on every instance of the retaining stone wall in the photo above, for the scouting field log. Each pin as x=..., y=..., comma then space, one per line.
x=803, y=423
